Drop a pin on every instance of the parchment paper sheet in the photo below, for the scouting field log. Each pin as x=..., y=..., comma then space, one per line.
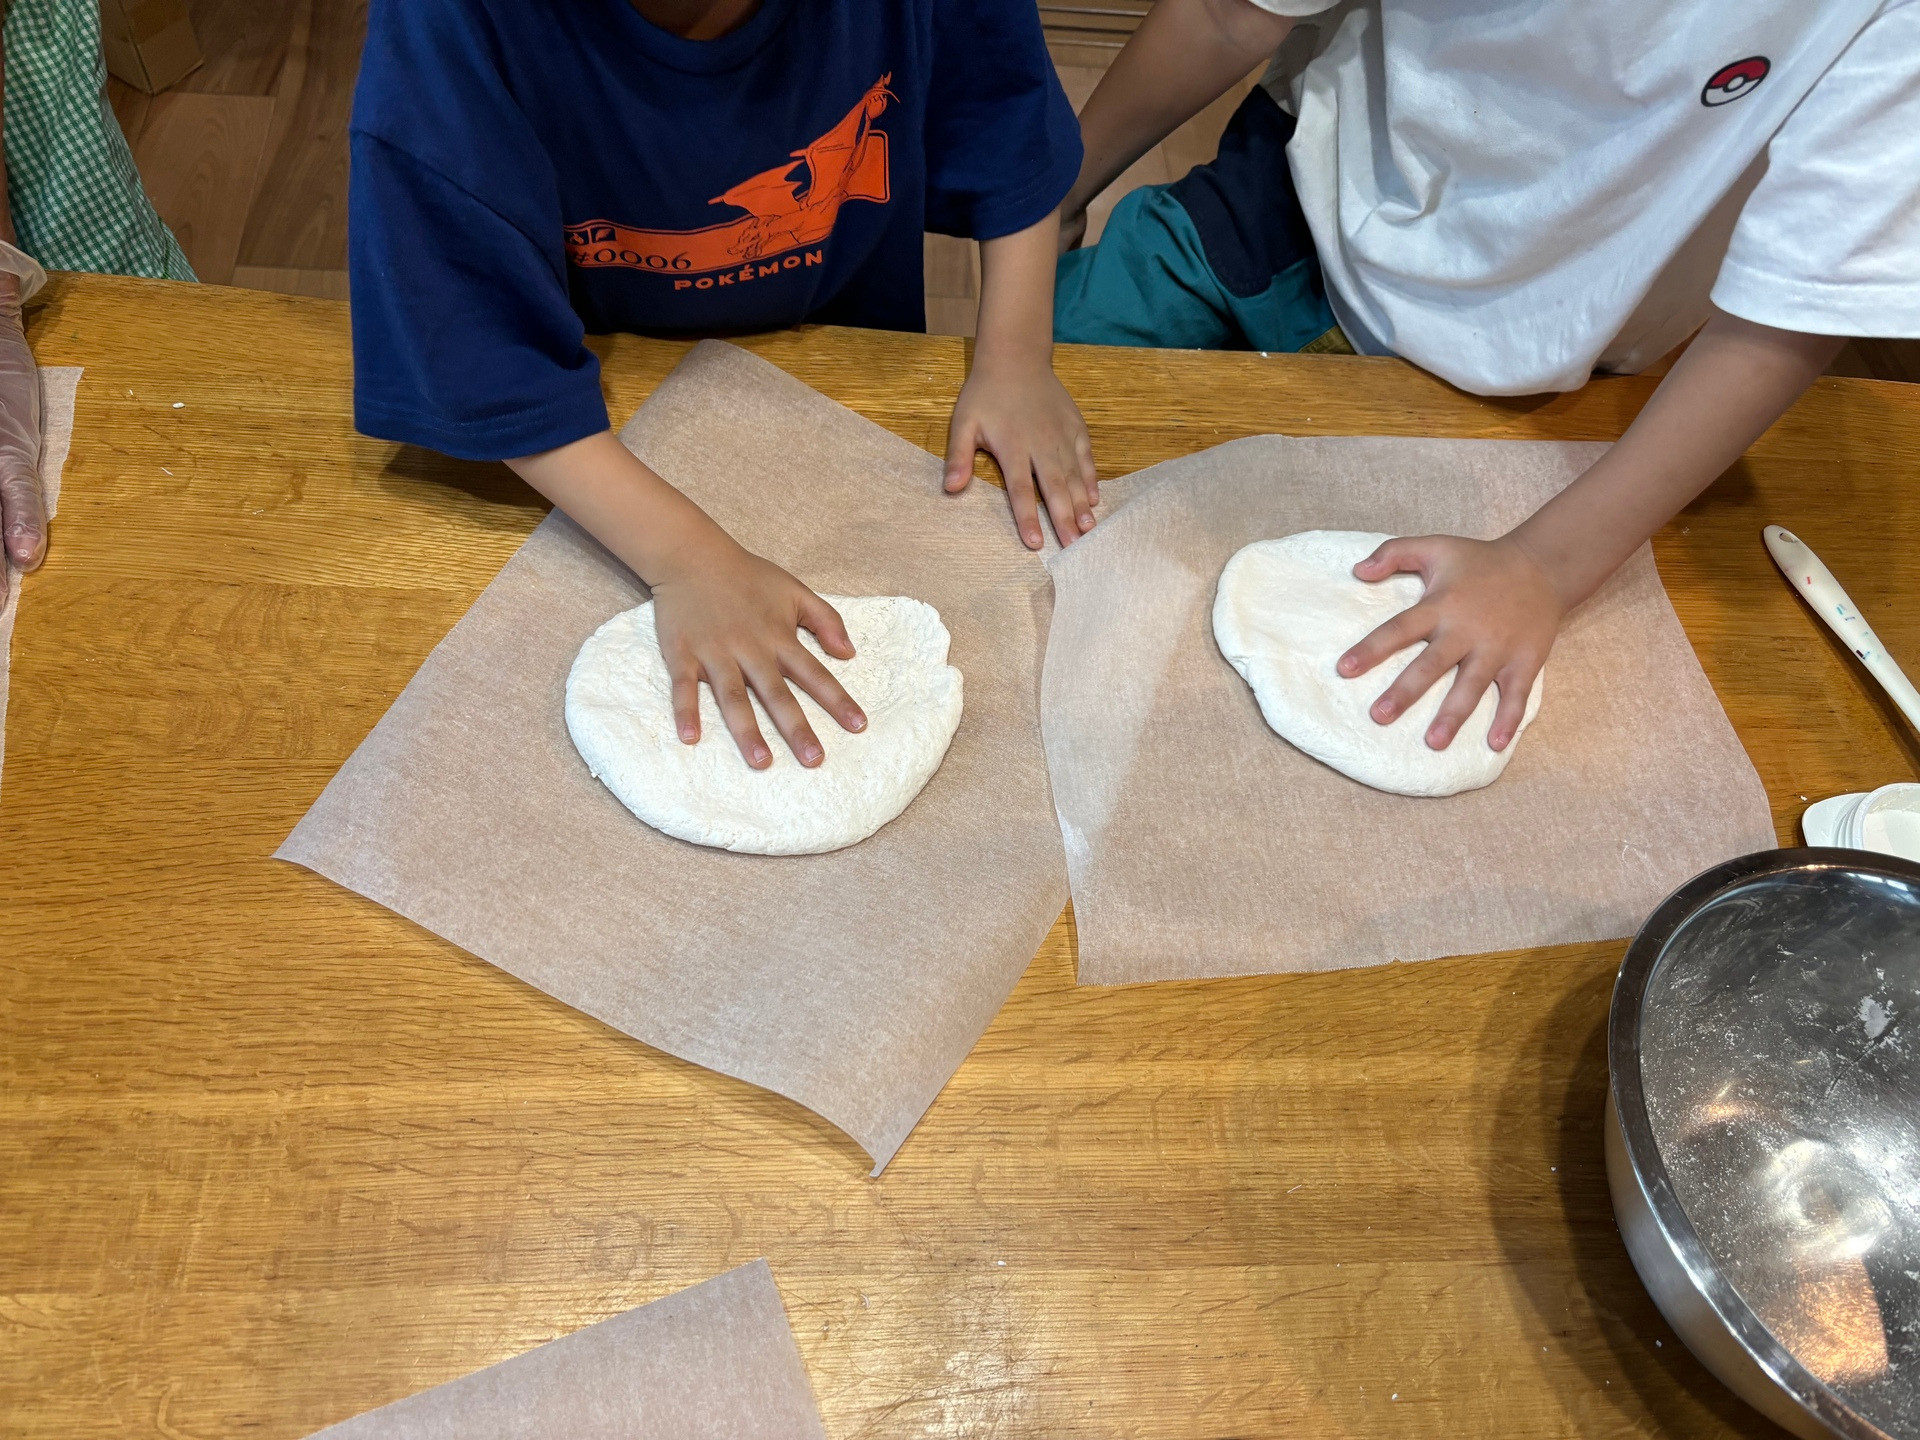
x=716, y=1362
x=854, y=983
x=1199, y=843
x=58, y=386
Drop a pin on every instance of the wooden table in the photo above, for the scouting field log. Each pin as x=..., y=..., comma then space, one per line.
x=270, y=1155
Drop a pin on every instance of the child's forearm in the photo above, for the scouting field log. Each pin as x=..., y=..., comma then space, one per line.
x=1015, y=325
x=1732, y=382
x=1183, y=57
x=1492, y=608
x=622, y=503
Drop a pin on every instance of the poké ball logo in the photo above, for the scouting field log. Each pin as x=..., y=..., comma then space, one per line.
x=1733, y=81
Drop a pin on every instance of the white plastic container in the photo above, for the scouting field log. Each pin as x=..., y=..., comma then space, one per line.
x=1886, y=820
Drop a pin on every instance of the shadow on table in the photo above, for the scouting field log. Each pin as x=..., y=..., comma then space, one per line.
x=411, y=467
x=1558, y=1079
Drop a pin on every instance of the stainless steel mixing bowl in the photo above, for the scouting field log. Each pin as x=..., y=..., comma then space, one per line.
x=1763, y=1132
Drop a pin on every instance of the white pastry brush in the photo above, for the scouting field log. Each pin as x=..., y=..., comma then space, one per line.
x=1832, y=604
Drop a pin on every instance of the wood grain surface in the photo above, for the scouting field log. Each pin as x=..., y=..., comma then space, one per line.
x=270, y=1155
x=298, y=215
x=199, y=156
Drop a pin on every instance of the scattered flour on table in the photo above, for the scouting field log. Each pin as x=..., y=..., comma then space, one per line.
x=620, y=714
x=1286, y=610
x=1874, y=1016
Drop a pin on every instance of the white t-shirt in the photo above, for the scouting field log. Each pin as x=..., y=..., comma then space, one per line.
x=1514, y=195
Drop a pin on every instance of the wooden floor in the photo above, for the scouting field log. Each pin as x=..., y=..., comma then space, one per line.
x=247, y=157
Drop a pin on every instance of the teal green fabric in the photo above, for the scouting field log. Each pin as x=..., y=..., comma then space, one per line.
x=1148, y=283
x=76, y=198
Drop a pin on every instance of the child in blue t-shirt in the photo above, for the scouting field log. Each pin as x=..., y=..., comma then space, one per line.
x=527, y=171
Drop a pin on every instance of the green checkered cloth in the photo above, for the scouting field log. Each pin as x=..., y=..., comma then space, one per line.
x=76, y=198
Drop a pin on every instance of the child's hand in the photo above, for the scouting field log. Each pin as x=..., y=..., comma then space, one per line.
x=1024, y=417
x=1489, y=608
x=1012, y=404
x=723, y=615
x=729, y=618
x=1494, y=607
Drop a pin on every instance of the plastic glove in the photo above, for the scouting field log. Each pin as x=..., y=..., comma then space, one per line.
x=23, y=511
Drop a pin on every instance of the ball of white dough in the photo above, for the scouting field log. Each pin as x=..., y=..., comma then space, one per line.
x=620, y=714
x=1286, y=610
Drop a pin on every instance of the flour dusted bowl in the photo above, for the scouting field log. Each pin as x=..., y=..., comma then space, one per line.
x=1763, y=1132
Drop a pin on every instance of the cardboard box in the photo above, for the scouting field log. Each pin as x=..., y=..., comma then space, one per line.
x=148, y=43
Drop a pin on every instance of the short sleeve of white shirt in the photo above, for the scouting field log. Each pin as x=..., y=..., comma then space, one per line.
x=1829, y=240
x=1513, y=197
x=1299, y=9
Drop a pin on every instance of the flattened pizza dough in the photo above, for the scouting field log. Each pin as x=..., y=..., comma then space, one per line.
x=1286, y=610
x=620, y=714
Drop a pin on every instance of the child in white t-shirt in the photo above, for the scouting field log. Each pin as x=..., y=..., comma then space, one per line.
x=1513, y=198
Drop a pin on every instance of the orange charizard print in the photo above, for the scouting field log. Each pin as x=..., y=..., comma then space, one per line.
x=785, y=212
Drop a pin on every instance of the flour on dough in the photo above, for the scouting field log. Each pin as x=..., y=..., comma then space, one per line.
x=620, y=714
x=1285, y=612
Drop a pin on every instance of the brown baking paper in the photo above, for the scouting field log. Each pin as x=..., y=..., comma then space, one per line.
x=854, y=982
x=1199, y=843
x=58, y=386
x=716, y=1362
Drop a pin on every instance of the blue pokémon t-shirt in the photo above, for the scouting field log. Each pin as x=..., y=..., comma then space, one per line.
x=527, y=171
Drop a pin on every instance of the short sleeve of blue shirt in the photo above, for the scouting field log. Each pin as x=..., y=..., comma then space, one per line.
x=1003, y=145
x=525, y=172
